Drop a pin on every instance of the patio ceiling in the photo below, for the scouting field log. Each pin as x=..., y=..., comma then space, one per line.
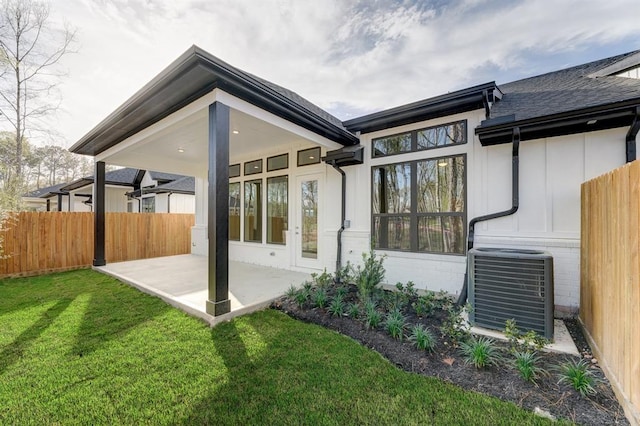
x=182, y=147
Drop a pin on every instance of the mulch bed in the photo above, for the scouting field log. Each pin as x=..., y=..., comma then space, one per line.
x=502, y=382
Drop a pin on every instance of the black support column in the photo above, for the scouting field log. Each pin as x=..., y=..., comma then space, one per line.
x=218, y=210
x=98, y=221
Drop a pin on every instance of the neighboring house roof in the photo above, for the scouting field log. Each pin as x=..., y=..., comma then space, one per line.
x=119, y=177
x=183, y=185
x=439, y=106
x=164, y=177
x=46, y=192
x=192, y=75
x=561, y=102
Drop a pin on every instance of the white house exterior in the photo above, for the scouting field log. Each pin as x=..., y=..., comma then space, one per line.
x=268, y=183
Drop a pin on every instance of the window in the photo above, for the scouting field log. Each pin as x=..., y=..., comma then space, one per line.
x=428, y=138
x=309, y=156
x=149, y=205
x=252, y=167
x=278, y=162
x=234, y=170
x=277, y=209
x=419, y=206
x=234, y=211
x=253, y=211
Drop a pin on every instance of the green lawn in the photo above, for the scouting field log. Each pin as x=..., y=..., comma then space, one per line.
x=82, y=348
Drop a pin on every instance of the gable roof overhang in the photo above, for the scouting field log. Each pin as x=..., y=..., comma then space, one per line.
x=601, y=117
x=194, y=74
x=469, y=99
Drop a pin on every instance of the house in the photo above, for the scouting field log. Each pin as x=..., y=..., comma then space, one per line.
x=280, y=182
x=126, y=190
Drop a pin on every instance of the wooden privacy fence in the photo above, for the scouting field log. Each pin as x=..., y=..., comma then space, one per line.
x=39, y=242
x=610, y=278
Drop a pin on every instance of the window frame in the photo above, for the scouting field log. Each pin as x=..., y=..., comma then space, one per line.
x=414, y=215
x=234, y=175
x=253, y=171
x=285, y=155
x=316, y=160
x=286, y=228
x=240, y=210
x=414, y=139
x=258, y=215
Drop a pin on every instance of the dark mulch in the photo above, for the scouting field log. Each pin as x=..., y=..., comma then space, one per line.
x=503, y=382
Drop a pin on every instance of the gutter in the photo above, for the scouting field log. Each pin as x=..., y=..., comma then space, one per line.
x=630, y=139
x=515, y=203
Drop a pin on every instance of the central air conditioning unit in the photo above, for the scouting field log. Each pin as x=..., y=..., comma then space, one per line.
x=514, y=284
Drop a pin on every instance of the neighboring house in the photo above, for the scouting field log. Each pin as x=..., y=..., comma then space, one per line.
x=126, y=190
x=412, y=178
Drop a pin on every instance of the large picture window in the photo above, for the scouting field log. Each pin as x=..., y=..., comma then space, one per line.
x=420, y=205
x=234, y=211
x=253, y=211
x=277, y=209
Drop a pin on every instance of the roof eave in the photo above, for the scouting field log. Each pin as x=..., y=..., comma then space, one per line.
x=606, y=116
x=219, y=75
x=464, y=100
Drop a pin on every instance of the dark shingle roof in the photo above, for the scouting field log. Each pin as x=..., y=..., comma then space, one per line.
x=185, y=185
x=567, y=90
x=164, y=177
x=45, y=192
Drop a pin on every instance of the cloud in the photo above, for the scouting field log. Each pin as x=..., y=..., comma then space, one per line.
x=351, y=57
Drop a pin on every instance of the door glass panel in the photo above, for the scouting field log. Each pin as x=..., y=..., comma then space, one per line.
x=309, y=221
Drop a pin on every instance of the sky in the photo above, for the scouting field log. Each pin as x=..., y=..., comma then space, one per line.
x=349, y=57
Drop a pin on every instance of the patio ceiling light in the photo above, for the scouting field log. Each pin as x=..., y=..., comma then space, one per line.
x=235, y=132
x=181, y=150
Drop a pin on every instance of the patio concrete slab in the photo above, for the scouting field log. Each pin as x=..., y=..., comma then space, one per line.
x=182, y=282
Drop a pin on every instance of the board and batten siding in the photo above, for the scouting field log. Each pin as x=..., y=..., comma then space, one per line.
x=551, y=172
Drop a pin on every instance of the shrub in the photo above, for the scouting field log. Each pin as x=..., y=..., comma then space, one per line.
x=373, y=318
x=341, y=292
x=301, y=297
x=523, y=342
x=578, y=375
x=353, y=310
x=369, y=275
x=481, y=352
x=346, y=274
x=526, y=364
x=424, y=305
x=323, y=280
x=394, y=324
x=319, y=298
x=455, y=327
x=291, y=292
x=422, y=338
x=336, y=307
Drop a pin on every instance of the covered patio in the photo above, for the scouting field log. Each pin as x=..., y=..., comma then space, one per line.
x=181, y=281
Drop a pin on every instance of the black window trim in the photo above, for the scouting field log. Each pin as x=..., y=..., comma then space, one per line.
x=414, y=215
x=414, y=139
x=266, y=203
x=244, y=214
x=286, y=154
x=259, y=160
x=315, y=148
x=239, y=165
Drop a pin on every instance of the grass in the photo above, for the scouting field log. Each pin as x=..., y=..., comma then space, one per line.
x=82, y=348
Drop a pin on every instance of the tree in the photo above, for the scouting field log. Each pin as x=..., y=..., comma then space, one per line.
x=30, y=51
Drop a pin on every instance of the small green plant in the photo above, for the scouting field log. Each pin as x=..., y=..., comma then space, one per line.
x=346, y=274
x=481, y=352
x=291, y=292
x=301, y=297
x=422, y=338
x=319, y=298
x=424, y=305
x=372, y=317
x=336, y=307
x=455, y=327
x=341, y=292
x=353, y=310
x=523, y=342
x=527, y=365
x=323, y=280
x=369, y=275
x=578, y=375
x=394, y=324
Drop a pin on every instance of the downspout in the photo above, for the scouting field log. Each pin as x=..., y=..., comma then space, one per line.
x=631, y=136
x=487, y=105
x=343, y=217
x=169, y=202
x=515, y=203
